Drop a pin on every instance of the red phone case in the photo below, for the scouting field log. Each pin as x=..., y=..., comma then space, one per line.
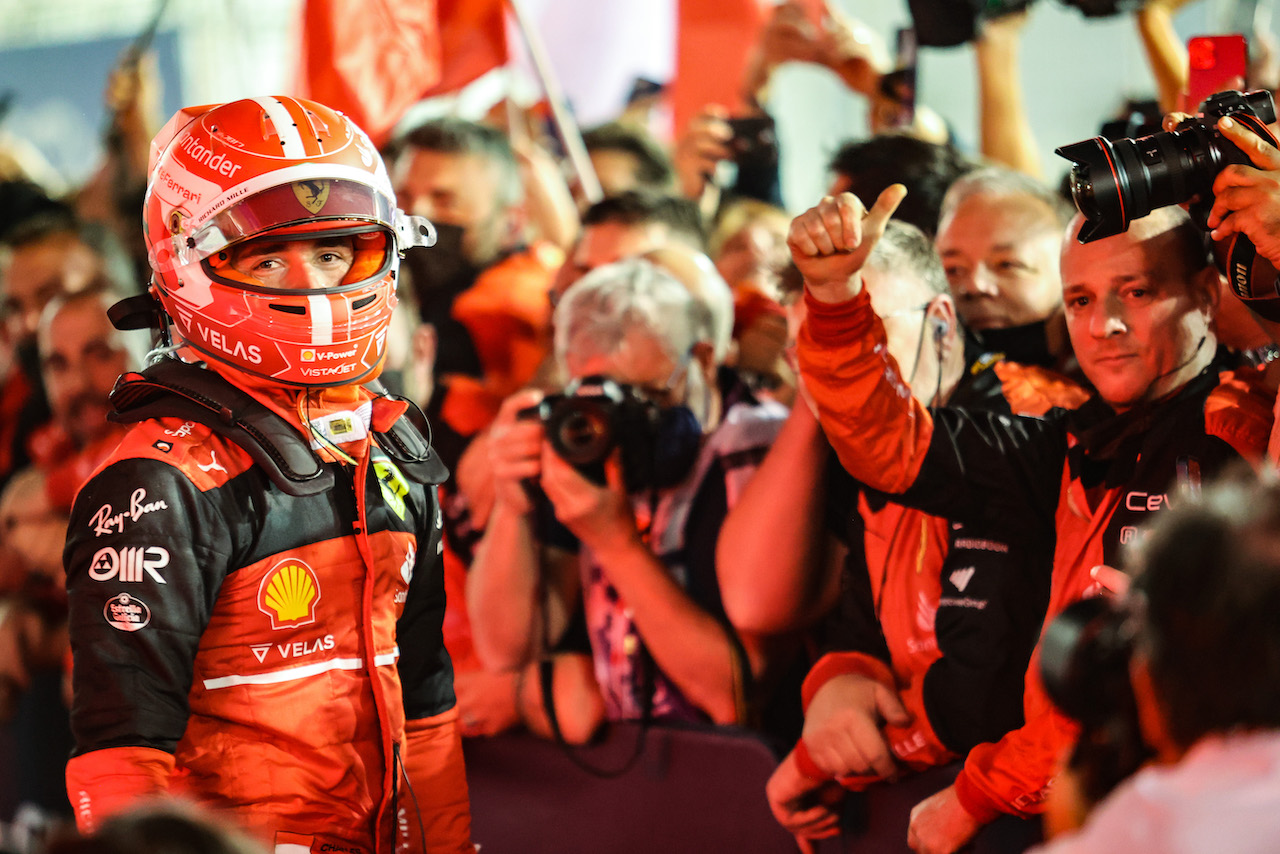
x=1212, y=63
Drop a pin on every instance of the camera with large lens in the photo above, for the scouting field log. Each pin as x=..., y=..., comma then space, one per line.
x=594, y=415
x=1084, y=662
x=1114, y=182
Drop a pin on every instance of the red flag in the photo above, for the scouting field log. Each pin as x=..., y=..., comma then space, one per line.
x=713, y=40
x=371, y=59
x=473, y=40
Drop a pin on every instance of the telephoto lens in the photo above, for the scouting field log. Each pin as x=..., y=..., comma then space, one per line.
x=1115, y=182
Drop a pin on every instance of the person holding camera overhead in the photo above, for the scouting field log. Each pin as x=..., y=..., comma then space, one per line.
x=1197, y=637
x=1169, y=410
x=1246, y=204
x=610, y=498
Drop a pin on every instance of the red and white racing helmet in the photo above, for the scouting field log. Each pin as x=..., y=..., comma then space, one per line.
x=289, y=169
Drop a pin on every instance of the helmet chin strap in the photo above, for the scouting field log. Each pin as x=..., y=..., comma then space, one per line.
x=168, y=350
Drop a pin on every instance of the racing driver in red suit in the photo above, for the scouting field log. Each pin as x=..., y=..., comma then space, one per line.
x=254, y=575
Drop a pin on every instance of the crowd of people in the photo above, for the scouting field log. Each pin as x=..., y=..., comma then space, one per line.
x=392, y=449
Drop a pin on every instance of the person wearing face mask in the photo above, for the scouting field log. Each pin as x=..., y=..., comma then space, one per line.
x=633, y=544
x=998, y=236
x=253, y=574
x=483, y=286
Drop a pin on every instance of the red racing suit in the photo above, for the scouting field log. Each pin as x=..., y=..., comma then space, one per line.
x=1085, y=481
x=275, y=656
x=943, y=613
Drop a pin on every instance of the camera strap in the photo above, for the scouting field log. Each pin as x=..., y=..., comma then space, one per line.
x=546, y=679
x=1263, y=299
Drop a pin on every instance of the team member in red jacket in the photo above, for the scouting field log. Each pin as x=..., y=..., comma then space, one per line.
x=254, y=575
x=1169, y=410
x=891, y=694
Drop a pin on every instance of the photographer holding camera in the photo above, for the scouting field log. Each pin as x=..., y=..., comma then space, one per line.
x=1221, y=164
x=638, y=465
x=1140, y=306
x=1199, y=633
x=1246, y=202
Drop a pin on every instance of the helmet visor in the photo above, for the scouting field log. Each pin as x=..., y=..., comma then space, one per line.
x=300, y=203
x=316, y=205
x=344, y=256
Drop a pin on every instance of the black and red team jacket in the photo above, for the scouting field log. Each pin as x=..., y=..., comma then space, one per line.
x=273, y=645
x=945, y=613
x=1084, y=481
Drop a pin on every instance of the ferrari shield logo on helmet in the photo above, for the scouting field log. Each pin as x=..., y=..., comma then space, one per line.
x=312, y=194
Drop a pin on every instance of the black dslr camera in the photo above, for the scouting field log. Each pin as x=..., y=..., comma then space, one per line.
x=1084, y=662
x=594, y=415
x=1116, y=182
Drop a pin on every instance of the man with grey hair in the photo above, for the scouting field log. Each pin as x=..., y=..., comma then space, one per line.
x=998, y=236
x=632, y=544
